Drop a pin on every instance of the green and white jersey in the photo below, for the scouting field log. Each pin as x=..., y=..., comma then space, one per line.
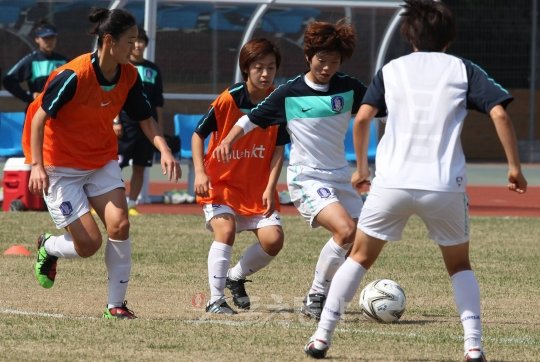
x=34, y=69
x=316, y=120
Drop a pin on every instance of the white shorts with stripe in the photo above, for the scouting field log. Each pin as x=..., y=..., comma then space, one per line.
x=242, y=222
x=70, y=188
x=445, y=214
x=311, y=190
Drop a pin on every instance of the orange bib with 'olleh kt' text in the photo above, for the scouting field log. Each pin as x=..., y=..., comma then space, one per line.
x=81, y=135
x=239, y=183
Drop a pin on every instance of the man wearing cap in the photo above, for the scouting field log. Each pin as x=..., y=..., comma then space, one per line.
x=34, y=68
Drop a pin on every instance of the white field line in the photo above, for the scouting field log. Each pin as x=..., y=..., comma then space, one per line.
x=41, y=314
x=524, y=340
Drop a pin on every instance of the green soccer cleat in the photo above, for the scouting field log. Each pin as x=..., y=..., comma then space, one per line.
x=45, y=267
x=122, y=312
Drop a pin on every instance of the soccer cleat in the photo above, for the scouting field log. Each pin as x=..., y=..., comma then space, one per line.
x=122, y=312
x=45, y=267
x=316, y=348
x=238, y=291
x=220, y=306
x=133, y=212
x=475, y=354
x=313, y=305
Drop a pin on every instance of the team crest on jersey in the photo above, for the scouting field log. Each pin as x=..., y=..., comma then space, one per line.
x=459, y=180
x=148, y=73
x=324, y=193
x=65, y=208
x=337, y=103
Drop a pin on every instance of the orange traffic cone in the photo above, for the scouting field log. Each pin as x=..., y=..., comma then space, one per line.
x=17, y=250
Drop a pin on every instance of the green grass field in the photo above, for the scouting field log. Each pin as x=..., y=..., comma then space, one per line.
x=169, y=286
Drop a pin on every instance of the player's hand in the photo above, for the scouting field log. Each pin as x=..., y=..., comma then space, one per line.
x=517, y=182
x=360, y=179
x=118, y=130
x=222, y=152
x=268, y=202
x=39, y=180
x=170, y=166
x=201, y=184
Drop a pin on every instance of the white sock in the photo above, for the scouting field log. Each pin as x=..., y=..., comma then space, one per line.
x=253, y=260
x=219, y=260
x=61, y=246
x=330, y=259
x=131, y=203
x=342, y=291
x=467, y=299
x=118, y=261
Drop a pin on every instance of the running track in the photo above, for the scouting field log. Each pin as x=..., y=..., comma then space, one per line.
x=484, y=201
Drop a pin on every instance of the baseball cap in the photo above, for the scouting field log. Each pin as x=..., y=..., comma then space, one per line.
x=45, y=31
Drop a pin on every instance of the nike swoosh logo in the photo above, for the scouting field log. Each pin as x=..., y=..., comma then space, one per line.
x=124, y=281
x=105, y=104
x=215, y=277
x=306, y=109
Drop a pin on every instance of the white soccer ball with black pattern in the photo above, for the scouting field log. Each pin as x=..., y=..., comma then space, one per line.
x=383, y=301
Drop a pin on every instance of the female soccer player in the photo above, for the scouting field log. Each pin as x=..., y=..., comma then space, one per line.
x=316, y=107
x=420, y=164
x=240, y=195
x=69, y=141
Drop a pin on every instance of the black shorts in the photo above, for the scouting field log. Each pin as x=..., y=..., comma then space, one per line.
x=134, y=145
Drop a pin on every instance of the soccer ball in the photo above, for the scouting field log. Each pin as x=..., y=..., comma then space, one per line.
x=382, y=301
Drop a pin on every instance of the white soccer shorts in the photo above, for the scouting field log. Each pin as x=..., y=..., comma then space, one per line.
x=254, y=222
x=311, y=190
x=70, y=188
x=445, y=214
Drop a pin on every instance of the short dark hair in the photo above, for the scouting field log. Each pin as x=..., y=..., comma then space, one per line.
x=254, y=50
x=142, y=35
x=321, y=36
x=428, y=25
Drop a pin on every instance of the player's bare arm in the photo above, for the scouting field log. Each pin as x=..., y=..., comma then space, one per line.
x=275, y=169
x=39, y=180
x=169, y=164
x=507, y=136
x=361, y=140
x=223, y=151
x=201, y=183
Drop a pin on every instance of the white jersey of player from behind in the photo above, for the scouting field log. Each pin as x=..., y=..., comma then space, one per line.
x=427, y=95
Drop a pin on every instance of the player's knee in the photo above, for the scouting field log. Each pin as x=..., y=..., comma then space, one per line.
x=226, y=236
x=456, y=268
x=345, y=234
x=88, y=246
x=118, y=229
x=273, y=245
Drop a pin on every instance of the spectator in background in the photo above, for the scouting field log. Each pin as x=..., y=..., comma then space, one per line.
x=132, y=143
x=34, y=68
